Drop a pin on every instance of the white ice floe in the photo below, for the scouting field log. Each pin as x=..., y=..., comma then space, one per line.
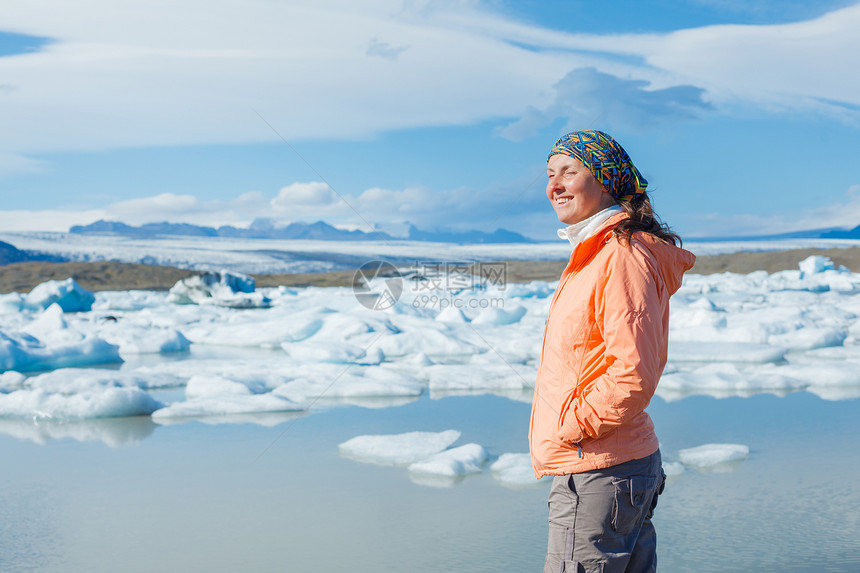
x=133, y=339
x=227, y=403
x=726, y=379
x=815, y=264
x=369, y=383
x=105, y=403
x=398, y=449
x=514, y=470
x=452, y=314
x=460, y=461
x=73, y=380
x=479, y=377
x=68, y=294
x=79, y=393
x=50, y=342
x=672, y=469
x=223, y=288
x=500, y=316
x=11, y=303
x=728, y=351
x=710, y=455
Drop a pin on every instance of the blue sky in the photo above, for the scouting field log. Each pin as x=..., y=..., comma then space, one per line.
x=744, y=116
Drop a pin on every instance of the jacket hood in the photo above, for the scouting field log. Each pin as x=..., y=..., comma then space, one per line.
x=672, y=261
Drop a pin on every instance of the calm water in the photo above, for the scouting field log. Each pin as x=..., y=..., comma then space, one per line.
x=128, y=495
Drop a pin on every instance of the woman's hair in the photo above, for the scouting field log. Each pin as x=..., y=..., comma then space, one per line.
x=642, y=218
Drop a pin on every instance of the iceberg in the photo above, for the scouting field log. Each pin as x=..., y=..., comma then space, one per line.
x=68, y=294
x=711, y=455
x=514, y=470
x=398, y=449
x=105, y=403
x=233, y=290
x=461, y=461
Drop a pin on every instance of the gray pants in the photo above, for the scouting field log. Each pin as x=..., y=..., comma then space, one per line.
x=600, y=520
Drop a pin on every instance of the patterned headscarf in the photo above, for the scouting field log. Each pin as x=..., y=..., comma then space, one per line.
x=606, y=160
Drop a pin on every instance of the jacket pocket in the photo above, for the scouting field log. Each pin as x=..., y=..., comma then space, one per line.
x=633, y=497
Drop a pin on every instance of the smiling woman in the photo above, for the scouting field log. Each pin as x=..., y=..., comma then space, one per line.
x=605, y=347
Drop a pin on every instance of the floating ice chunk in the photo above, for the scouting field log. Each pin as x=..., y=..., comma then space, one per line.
x=257, y=331
x=11, y=303
x=499, y=316
x=398, y=449
x=106, y=403
x=369, y=383
x=465, y=377
x=815, y=264
x=224, y=288
x=824, y=374
x=702, y=312
x=129, y=300
x=709, y=455
x=835, y=392
x=452, y=314
x=11, y=380
x=690, y=351
x=135, y=339
x=199, y=386
x=419, y=360
x=430, y=341
x=68, y=294
x=331, y=351
x=725, y=379
x=74, y=380
x=220, y=404
x=809, y=338
x=533, y=289
x=460, y=461
x=25, y=353
x=514, y=469
x=672, y=469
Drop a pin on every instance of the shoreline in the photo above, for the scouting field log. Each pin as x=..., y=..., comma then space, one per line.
x=111, y=275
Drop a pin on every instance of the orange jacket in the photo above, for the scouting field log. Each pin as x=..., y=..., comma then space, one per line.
x=604, y=350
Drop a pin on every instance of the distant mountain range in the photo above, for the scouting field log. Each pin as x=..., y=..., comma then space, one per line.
x=825, y=233
x=268, y=229
x=10, y=254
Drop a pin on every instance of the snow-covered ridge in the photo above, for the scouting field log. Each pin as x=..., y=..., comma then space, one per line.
x=255, y=256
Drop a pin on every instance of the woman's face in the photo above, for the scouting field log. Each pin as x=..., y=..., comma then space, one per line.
x=573, y=191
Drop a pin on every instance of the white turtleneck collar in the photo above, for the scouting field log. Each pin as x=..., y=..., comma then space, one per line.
x=578, y=232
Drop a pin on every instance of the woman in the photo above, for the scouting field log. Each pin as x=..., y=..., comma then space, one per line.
x=603, y=352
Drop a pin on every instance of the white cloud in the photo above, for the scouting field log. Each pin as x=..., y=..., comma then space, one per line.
x=581, y=99
x=299, y=194
x=165, y=76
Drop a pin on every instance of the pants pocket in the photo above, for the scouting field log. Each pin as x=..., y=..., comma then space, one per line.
x=584, y=566
x=657, y=494
x=632, y=496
